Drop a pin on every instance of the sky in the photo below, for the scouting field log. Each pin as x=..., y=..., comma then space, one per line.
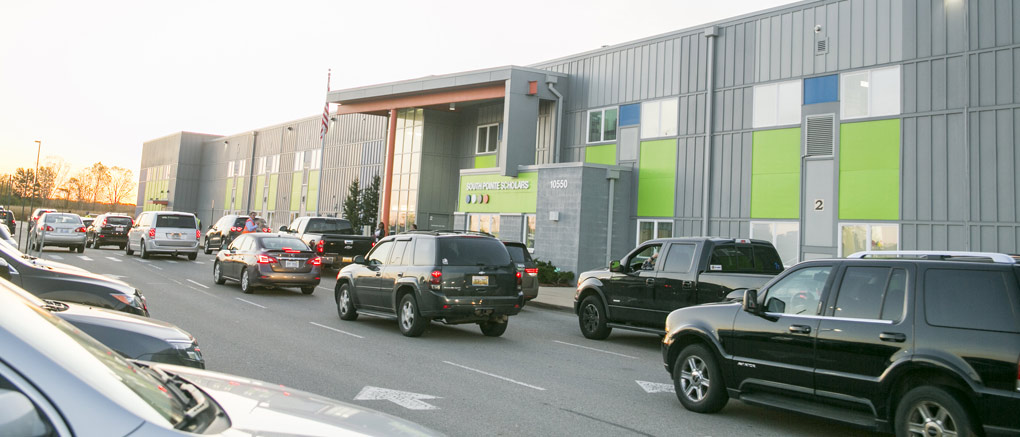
x=94, y=80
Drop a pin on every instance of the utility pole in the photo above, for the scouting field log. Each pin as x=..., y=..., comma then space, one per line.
x=35, y=188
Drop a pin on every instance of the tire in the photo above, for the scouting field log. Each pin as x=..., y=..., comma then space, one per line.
x=592, y=318
x=127, y=249
x=88, y=243
x=122, y=246
x=206, y=247
x=344, y=305
x=72, y=248
x=246, y=286
x=934, y=403
x=411, y=323
x=307, y=290
x=192, y=256
x=81, y=249
x=218, y=274
x=493, y=329
x=141, y=249
x=698, y=380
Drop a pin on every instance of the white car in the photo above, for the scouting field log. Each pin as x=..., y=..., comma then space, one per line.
x=61, y=229
x=164, y=232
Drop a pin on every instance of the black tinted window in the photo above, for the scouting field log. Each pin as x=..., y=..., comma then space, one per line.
x=871, y=293
x=679, y=258
x=971, y=299
x=425, y=252
x=329, y=226
x=745, y=258
x=895, y=296
x=519, y=254
x=397, y=257
x=175, y=221
x=281, y=243
x=118, y=221
x=472, y=251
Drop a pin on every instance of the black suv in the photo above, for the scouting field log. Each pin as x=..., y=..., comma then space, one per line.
x=226, y=229
x=421, y=276
x=7, y=218
x=108, y=230
x=918, y=343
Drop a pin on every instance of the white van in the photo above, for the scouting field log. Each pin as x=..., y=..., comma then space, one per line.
x=168, y=232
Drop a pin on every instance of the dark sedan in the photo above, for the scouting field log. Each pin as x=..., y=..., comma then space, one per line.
x=268, y=260
x=108, y=230
x=7, y=218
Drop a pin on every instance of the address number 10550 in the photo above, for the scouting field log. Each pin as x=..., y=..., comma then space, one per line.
x=558, y=183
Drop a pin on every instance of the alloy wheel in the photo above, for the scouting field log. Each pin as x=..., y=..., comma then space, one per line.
x=345, y=300
x=694, y=379
x=591, y=318
x=407, y=315
x=930, y=419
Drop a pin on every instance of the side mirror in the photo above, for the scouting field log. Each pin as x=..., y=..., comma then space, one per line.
x=284, y=229
x=18, y=415
x=751, y=301
x=359, y=259
x=615, y=266
x=736, y=295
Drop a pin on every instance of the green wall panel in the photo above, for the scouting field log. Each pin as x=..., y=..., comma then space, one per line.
x=226, y=200
x=506, y=194
x=486, y=161
x=657, y=179
x=869, y=170
x=271, y=199
x=260, y=183
x=312, y=202
x=603, y=154
x=775, y=174
x=295, y=192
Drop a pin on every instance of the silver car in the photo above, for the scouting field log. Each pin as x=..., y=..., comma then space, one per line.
x=55, y=380
x=59, y=229
x=165, y=232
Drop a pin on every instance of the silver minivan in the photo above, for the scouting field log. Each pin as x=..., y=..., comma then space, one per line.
x=168, y=232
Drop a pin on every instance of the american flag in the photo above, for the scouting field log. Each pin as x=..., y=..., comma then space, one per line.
x=325, y=110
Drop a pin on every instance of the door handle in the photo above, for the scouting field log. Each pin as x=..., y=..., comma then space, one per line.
x=800, y=329
x=377, y=274
x=400, y=275
x=895, y=337
x=687, y=285
x=650, y=281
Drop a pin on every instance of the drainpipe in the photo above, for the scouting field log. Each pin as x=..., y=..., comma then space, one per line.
x=551, y=82
x=251, y=170
x=710, y=33
x=612, y=175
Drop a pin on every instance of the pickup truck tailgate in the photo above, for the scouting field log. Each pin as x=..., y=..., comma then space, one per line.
x=714, y=287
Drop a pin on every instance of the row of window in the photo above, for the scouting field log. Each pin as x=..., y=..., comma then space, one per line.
x=306, y=159
x=157, y=173
x=490, y=223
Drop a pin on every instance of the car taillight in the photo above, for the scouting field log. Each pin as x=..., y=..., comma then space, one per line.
x=103, y=223
x=373, y=244
x=81, y=229
x=518, y=279
x=320, y=246
x=266, y=259
x=317, y=261
x=289, y=250
x=235, y=229
x=49, y=228
x=266, y=230
x=532, y=271
x=152, y=232
x=437, y=280
x=198, y=234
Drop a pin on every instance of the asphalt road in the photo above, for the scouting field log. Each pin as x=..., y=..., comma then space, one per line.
x=541, y=378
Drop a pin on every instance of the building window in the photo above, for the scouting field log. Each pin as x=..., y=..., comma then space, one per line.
x=484, y=223
x=240, y=167
x=299, y=161
x=659, y=118
x=870, y=93
x=777, y=104
x=230, y=169
x=785, y=236
x=858, y=237
x=488, y=139
x=602, y=125
x=529, y=231
x=260, y=164
x=313, y=159
x=274, y=164
x=652, y=229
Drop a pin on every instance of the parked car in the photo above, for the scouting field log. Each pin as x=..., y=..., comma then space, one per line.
x=87, y=221
x=57, y=380
x=268, y=260
x=527, y=266
x=332, y=238
x=52, y=280
x=228, y=227
x=164, y=232
x=109, y=230
x=7, y=237
x=659, y=276
x=35, y=216
x=61, y=229
x=923, y=344
x=132, y=336
x=423, y=276
x=7, y=218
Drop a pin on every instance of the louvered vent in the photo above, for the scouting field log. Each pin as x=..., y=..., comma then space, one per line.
x=822, y=46
x=819, y=135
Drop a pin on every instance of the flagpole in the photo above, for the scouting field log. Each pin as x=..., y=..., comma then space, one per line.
x=322, y=149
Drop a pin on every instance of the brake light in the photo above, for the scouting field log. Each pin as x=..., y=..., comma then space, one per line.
x=266, y=259
x=437, y=280
x=317, y=261
x=235, y=229
x=152, y=232
x=289, y=250
x=373, y=244
x=532, y=271
x=266, y=230
x=49, y=228
x=518, y=280
x=103, y=223
x=198, y=234
x=81, y=229
x=320, y=246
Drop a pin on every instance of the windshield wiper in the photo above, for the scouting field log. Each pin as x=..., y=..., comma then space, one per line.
x=52, y=305
x=193, y=403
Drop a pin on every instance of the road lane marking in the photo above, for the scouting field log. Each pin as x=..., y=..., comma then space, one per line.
x=656, y=387
x=596, y=350
x=171, y=261
x=84, y=258
x=250, y=302
x=198, y=284
x=141, y=260
x=337, y=330
x=406, y=399
x=323, y=288
x=58, y=257
x=113, y=259
x=494, y=376
x=198, y=262
x=155, y=267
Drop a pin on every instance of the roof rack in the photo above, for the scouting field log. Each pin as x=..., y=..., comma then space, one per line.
x=999, y=258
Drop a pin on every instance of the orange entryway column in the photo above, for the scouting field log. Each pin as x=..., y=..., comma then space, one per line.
x=388, y=172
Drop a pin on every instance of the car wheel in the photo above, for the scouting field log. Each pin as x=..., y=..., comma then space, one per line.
x=308, y=290
x=72, y=248
x=192, y=256
x=81, y=249
x=344, y=306
x=412, y=324
x=127, y=249
x=88, y=243
x=592, y=318
x=141, y=250
x=122, y=246
x=493, y=329
x=246, y=286
x=217, y=274
x=698, y=380
x=206, y=248
x=931, y=411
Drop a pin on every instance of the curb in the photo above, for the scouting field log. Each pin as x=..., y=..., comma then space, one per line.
x=550, y=306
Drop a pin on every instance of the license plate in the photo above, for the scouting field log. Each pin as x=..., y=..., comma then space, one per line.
x=175, y=236
x=64, y=231
x=290, y=264
x=347, y=259
x=479, y=280
x=119, y=229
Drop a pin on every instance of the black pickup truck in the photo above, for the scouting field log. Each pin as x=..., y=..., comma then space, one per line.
x=659, y=276
x=330, y=237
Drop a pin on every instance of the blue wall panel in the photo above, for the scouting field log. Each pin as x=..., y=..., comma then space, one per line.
x=630, y=115
x=821, y=89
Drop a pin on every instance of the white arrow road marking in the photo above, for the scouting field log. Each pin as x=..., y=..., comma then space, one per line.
x=198, y=284
x=656, y=387
x=405, y=399
x=495, y=376
x=337, y=330
x=250, y=302
x=56, y=257
x=593, y=349
x=112, y=259
x=84, y=258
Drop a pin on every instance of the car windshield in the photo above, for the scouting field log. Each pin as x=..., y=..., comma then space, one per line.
x=175, y=221
x=126, y=221
x=283, y=243
x=472, y=251
x=62, y=219
x=329, y=226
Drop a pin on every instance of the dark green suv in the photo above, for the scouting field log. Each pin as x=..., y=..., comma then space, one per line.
x=422, y=276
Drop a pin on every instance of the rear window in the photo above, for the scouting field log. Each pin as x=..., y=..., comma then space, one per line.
x=472, y=251
x=62, y=219
x=281, y=243
x=329, y=226
x=6, y=215
x=970, y=299
x=519, y=254
x=175, y=221
x=118, y=221
x=241, y=221
x=745, y=258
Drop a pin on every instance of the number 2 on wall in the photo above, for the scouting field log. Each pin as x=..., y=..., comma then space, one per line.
x=819, y=205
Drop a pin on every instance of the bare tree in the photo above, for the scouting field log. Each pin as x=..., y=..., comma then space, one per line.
x=61, y=172
x=122, y=184
x=77, y=189
x=96, y=178
x=47, y=182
